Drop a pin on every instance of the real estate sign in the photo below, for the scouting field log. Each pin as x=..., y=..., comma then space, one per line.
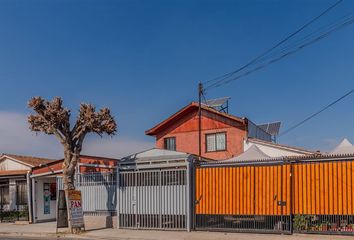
x=75, y=209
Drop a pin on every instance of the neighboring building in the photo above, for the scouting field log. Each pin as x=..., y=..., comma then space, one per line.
x=14, y=184
x=274, y=150
x=253, y=153
x=344, y=147
x=224, y=136
x=47, y=177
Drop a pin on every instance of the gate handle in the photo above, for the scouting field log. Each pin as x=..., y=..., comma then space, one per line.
x=275, y=197
x=198, y=200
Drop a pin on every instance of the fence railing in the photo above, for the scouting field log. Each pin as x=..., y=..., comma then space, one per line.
x=18, y=211
x=281, y=197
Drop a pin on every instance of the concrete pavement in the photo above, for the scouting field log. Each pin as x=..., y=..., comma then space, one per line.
x=47, y=231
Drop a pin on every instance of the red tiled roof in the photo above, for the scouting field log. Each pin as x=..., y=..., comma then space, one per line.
x=187, y=109
x=33, y=161
x=85, y=159
x=13, y=172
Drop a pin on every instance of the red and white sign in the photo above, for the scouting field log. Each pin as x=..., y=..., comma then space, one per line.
x=75, y=207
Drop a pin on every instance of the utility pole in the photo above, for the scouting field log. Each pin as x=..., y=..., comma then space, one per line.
x=200, y=92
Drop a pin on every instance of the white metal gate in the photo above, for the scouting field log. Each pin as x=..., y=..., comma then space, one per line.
x=153, y=199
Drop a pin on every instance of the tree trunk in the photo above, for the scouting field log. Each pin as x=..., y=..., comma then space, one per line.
x=69, y=184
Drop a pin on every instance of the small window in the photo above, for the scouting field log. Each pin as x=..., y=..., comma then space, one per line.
x=216, y=142
x=4, y=194
x=21, y=193
x=170, y=143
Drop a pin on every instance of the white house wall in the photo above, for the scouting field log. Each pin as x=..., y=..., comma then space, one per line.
x=9, y=164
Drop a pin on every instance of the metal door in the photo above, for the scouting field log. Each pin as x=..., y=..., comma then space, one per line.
x=153, y=199
x=243, y=198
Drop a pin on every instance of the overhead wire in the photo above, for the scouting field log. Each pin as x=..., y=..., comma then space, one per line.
x=276, y=45
x=315, y=114
x=312, y=34
x=278, y=58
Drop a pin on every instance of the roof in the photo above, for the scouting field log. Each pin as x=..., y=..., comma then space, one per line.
x=251, y=154
x=280, y=146
x=13, y=172
x=156, y=158
x=155, y=154
x=28, y=160
x=317, y=157
x=81, y=155
x=344, y=147
x=188, y=109
x=285, y=159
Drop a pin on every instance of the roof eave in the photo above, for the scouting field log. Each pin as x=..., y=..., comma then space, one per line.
x=153, y=131
x=280, y=146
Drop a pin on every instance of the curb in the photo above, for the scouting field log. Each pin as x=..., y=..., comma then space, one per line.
x=63, y=235
x=69, y=236
x=42, y=235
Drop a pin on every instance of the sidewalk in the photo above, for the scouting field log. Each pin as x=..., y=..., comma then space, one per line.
x=48, y=229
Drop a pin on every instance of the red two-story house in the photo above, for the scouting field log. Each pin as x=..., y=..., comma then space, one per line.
x=223, y=134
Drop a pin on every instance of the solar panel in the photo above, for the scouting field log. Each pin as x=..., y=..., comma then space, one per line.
x=217, y=102
x=271, y=128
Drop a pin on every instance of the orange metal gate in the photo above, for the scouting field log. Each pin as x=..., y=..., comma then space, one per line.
x=323, y=197
x=307, y=196
x=243, y=198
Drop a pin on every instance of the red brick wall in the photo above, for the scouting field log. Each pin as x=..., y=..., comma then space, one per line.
x=186, y=132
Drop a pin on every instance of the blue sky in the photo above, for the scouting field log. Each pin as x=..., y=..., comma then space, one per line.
x=143, y=59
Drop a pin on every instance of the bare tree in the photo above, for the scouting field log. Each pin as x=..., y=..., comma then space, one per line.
x=52, y=118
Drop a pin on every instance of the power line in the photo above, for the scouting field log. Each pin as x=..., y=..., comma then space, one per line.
x=220, y=78
x=309, y=36
x=316, y=113
x=298, y=48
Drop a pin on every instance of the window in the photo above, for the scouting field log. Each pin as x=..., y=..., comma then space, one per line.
x=4, y=194
x=170, y=143
x=21, y=193
x=216, y=142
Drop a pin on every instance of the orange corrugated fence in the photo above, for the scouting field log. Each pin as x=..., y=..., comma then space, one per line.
x=323, y=188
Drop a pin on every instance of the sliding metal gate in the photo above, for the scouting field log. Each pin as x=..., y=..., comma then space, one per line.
x=153, y=199
x=243, y=198
x=324, y=197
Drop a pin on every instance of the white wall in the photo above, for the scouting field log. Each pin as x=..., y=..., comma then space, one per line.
x=39, y=201
x=9, y=164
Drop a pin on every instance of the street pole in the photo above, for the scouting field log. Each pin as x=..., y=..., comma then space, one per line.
x=200, y=92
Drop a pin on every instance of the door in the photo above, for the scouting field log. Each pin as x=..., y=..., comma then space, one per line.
x=153, y=199
x=243, y=198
